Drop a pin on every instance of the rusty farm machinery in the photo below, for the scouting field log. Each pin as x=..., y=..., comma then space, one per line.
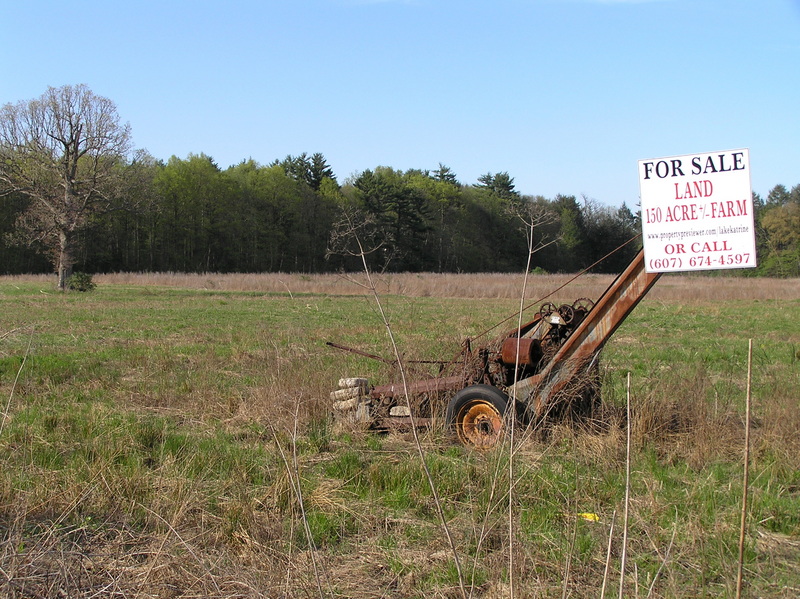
x=546, y=366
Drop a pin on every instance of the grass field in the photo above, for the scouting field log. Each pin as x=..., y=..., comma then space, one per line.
x=172, y=437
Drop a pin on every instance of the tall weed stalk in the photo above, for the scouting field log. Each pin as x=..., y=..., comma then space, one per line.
x=746, y=473
x=534, y=218
x=293, y=473
x=349, y=229
x=627, y=488
x=16, y=380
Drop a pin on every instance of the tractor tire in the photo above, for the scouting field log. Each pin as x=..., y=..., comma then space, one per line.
x=476, y=414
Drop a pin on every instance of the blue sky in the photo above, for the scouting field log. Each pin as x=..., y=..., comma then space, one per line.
x=565, y=95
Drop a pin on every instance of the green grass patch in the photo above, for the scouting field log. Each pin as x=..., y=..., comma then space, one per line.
x=174, y=422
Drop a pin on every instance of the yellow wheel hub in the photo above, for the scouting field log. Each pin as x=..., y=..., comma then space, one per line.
x=479, y=424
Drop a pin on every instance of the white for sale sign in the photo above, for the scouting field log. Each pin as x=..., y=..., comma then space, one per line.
x=697, y=212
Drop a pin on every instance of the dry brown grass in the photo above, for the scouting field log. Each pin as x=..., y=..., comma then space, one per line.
x=44, y=560
x=685, y=288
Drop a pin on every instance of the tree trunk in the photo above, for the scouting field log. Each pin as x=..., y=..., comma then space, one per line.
x=65, y=259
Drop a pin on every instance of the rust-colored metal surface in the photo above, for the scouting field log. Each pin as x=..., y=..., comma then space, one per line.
x=545, y=362
x=530, y=351
x=580, y=349
x=423, y=386
x=479, y=424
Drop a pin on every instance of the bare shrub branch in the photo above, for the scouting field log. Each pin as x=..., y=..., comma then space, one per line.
x=348, y=232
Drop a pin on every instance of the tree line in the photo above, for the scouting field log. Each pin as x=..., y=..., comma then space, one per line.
x=189, y=215
x=75, y=196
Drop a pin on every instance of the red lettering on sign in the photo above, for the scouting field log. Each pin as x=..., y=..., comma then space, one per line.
x=693, y=189
x=710, y=246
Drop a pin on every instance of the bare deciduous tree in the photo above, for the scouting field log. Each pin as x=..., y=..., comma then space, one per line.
x=65, y=151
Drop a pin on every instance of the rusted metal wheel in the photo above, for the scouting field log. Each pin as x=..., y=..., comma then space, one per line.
x=547, y=309
x=476, y=415
x=583, y=303
x=567, y=313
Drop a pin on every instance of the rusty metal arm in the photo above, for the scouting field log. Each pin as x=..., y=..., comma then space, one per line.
x=580, y=349
x=434, y=385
